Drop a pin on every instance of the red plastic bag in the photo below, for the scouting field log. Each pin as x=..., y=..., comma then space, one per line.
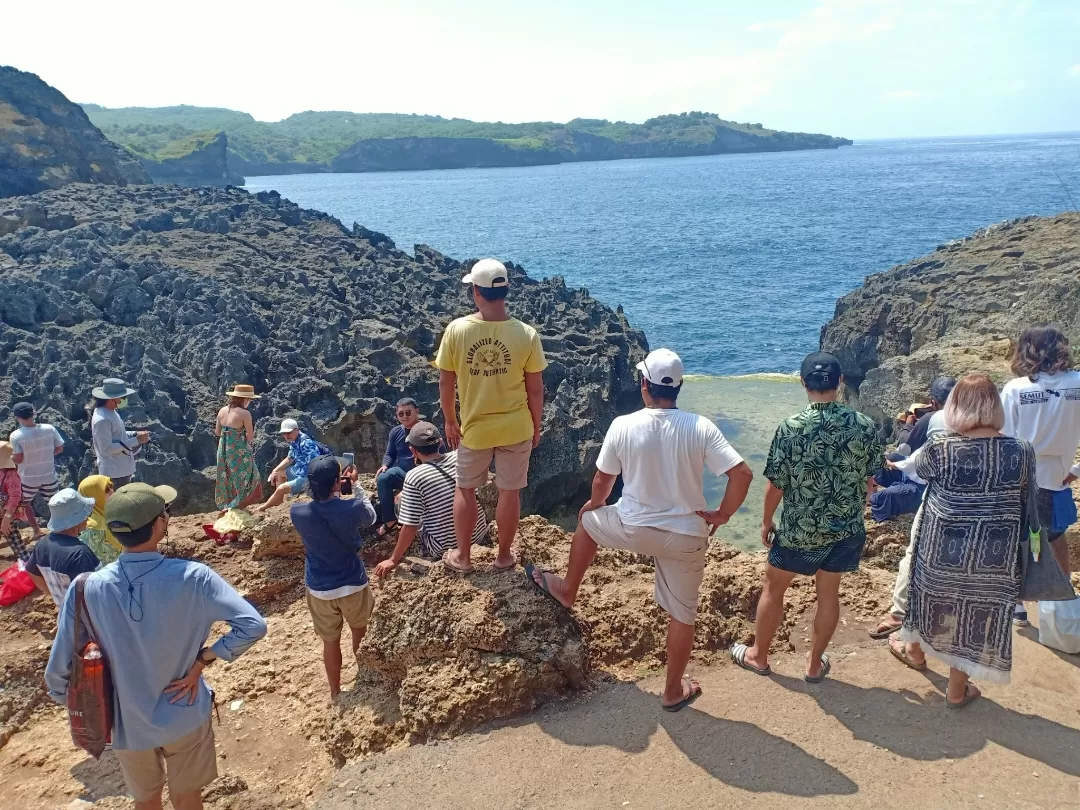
x=90, y=689
x=15, y=584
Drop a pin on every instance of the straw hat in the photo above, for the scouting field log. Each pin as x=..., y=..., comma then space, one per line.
x=243, y=392
x=5, y=456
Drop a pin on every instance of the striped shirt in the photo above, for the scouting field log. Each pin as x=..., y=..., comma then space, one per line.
x=427, y=501
x=38, y=446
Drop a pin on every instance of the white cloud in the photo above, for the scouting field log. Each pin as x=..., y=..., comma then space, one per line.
x=1074, y=72
x=901, y=95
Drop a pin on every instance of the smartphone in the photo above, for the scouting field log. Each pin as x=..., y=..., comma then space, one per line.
x=350, y=459
x=772, y=537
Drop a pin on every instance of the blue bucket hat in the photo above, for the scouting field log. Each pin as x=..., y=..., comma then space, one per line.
x=67, y=508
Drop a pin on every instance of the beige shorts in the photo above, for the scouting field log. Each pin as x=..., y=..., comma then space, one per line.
x=511, y=466
x=679, y=558
x=191, y=763
x=329, y=615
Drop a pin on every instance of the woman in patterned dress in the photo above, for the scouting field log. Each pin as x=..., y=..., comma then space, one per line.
x=238, y=482
x=965, y=575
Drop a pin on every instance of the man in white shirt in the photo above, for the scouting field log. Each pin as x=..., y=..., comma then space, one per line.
x=35, y=446
x=1042, y=405
x=661, y=453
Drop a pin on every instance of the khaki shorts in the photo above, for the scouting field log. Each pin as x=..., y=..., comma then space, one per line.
x=511, y=466
x=679, y=558
x=191, y=763
x=328, y=615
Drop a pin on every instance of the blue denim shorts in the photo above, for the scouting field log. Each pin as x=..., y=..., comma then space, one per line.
x=836, y=558
x=297, y=485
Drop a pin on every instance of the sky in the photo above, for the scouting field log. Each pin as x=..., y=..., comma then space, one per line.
x=858, y=68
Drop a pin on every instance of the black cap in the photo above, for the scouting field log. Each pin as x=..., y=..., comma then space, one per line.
x=323, y=472
x=822, y=368
x=23, y=410
x=941, y=388
x=424, y=434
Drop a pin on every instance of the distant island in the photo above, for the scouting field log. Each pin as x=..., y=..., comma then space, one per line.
x=366, y=142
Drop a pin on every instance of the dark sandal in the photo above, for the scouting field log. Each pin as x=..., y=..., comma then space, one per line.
x=884, y=630
x=541, y=586
x=738, y=655
x=695, y=693
x=826, y=665
x=969, y=696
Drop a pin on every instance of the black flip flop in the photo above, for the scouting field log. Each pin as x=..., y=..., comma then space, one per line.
x=686, y=701
x=826, y=665
x=542, y=585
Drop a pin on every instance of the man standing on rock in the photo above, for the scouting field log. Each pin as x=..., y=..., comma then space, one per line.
x=34, y=447
x=495, y=362
x=821, y=465
x=661, y=453
x=151, y=616
x=337, y=582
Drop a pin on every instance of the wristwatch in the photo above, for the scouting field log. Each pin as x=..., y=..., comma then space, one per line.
x=204, y=661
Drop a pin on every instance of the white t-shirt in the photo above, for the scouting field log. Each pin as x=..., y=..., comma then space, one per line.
x=38, y=445
x=662, y=454
x=1046, y=413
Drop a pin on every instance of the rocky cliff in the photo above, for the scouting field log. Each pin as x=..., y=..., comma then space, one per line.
x=404, y=154
x=183, y=292
x=956, y=310
x=204, y=162
x=47, y=141
x=559, y=146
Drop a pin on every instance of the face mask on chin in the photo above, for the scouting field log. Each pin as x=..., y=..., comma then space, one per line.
x=122, y=404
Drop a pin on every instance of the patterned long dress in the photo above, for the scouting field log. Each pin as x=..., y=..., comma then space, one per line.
x=965, y=574
x=237, y=475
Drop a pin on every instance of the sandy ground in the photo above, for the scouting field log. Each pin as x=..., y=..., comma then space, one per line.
x=868, y=737
x=875, y=735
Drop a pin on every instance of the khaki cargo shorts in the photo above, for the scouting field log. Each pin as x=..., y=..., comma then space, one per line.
x=328, y=615
x=679, y=558
x=191, y=763
x=511, y=466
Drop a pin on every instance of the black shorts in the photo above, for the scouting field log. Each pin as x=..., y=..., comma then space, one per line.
x=836, y=558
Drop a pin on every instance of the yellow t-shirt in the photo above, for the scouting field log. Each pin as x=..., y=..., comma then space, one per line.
x=491, y=359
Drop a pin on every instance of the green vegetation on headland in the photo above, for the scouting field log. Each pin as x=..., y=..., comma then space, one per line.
x=343, y=141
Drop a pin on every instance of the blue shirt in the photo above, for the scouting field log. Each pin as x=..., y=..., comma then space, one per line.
x=398, y=453
x=302, y=451
x=330, y=531
x=150, y=637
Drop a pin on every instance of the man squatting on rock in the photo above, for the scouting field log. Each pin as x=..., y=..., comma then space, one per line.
x=661, y=453
x=495, y=362
x=152, y=615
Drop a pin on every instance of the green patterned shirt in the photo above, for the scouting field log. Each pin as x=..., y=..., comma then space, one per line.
x=821, y=459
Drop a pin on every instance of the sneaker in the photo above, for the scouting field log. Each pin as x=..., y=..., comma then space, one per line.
x=1020, y=618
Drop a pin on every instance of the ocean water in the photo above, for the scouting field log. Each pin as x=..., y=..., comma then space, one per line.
x=733, y=261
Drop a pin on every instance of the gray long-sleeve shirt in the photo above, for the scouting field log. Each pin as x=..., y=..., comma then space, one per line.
x=114, y=445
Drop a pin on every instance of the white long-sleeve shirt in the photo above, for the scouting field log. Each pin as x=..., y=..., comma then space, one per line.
x=1046, y=412
x=114, y=445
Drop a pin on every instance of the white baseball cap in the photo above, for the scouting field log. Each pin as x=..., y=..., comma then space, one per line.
x=288, y=426
x=488, y=273
x=662, y=367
